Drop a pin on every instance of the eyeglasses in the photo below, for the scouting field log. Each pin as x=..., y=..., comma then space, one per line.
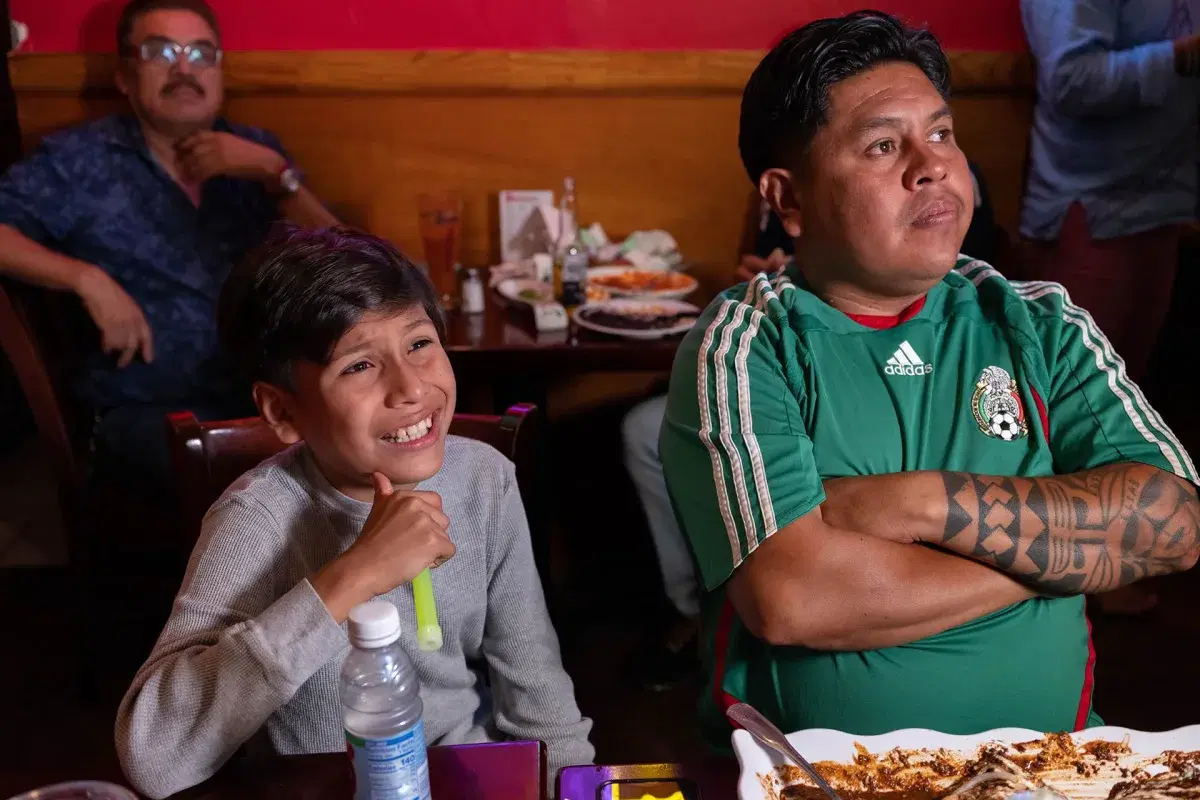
x=167, y=53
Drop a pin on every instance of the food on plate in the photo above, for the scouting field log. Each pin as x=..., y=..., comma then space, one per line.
x=649, y=317
x=635, y=280
x=1049, y=768
x=597, y=295
x=533, y=295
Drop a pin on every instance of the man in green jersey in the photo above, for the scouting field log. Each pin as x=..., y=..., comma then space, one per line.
x=899, y=472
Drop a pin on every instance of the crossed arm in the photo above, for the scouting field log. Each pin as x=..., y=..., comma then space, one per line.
x=853, y=574
x=1065, y=534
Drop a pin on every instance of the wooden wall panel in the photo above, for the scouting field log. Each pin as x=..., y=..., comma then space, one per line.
x=649, y=137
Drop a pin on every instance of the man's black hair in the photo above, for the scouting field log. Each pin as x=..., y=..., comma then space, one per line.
x=786, y=99
x=136, y=8
x=297, y=295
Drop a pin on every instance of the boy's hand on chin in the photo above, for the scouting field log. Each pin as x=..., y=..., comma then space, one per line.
x=404, y=533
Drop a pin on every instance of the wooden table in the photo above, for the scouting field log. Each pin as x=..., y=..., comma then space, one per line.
x=498, y=771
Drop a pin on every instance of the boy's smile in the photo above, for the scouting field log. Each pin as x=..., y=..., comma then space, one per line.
x=415, y=436
x=383, y=403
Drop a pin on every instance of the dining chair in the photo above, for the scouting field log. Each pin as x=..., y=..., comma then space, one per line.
x=208, y=456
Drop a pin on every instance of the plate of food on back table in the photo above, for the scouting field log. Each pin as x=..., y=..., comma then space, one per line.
x=531, y=292
x=628, y=281
x=637, y=319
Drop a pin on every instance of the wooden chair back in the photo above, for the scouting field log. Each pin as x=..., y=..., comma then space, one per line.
x=44, y=336
x=209, y=456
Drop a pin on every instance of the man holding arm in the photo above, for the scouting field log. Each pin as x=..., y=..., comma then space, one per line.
x=141, y=216
x=899, y=472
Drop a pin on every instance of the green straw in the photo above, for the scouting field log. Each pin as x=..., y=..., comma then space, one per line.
x=429, y=633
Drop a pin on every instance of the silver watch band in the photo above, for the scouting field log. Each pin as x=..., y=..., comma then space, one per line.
x=289, y=180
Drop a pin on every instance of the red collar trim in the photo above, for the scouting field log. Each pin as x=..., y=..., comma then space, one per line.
x=880, y=321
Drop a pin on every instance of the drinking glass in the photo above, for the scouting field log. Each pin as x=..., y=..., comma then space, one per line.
x=78, y=790
x=441, y=234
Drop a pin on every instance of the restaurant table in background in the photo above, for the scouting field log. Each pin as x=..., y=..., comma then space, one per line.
x=503, y=341
x=492, y=771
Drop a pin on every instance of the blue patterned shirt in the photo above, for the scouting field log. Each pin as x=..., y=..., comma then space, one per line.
x=96, y=193
x=1114, y=127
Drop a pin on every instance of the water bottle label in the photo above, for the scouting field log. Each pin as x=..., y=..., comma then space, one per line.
x=391, y=769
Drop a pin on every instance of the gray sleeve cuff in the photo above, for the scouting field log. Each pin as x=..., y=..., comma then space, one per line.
x=297, y=636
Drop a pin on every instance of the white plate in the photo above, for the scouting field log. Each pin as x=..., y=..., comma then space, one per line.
x=511, y=288
x=629, y=305
x=758, y=779
x=665, y=294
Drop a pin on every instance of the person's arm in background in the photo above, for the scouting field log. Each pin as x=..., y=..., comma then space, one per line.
x=37, y=212
x=207, y=153
x=1125, y=509
x=741, y=472
x=1080, y=67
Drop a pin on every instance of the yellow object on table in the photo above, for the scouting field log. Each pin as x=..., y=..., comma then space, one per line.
x=618, y=796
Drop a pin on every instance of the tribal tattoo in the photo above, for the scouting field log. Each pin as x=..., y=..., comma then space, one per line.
x=1067, y=534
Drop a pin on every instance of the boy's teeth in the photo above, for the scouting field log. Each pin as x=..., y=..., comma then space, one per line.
x=411, y=432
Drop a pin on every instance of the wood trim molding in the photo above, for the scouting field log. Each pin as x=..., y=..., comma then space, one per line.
x=475, y=71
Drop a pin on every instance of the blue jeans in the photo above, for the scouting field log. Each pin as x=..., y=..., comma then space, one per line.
x=639, y=430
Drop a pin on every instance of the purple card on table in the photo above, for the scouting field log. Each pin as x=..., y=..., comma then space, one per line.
x=492, y=771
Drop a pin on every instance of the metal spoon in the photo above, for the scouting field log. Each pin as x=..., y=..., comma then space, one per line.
x=761, y=728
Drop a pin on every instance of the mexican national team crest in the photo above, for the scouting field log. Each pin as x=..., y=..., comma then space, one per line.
x=997, y=406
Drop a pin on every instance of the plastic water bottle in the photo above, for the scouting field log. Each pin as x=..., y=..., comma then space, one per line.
x=382, y=709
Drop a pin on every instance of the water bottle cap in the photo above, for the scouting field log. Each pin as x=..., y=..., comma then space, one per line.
x=374, y=624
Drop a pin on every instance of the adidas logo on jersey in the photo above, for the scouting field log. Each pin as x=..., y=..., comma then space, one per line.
x=905, y=361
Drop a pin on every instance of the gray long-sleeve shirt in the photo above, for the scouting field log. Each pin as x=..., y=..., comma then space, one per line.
x=251, y=649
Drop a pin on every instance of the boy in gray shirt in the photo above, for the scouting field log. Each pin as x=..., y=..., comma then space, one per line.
x=342, y=336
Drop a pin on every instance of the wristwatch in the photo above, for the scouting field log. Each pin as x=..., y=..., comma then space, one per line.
x=289, y=179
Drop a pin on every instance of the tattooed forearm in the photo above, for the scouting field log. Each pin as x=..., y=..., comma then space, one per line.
x=1086, y=532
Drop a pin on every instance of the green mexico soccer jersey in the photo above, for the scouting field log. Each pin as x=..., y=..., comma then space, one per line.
x=774, y=390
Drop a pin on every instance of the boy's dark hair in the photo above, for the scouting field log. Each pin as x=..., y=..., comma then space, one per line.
x=786, y=99
x=135, y=8
x=297, y=295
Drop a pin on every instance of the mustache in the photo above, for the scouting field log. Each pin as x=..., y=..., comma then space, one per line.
x=180, y=82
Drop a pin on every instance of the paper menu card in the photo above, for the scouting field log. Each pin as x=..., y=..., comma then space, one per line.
x=523, y=230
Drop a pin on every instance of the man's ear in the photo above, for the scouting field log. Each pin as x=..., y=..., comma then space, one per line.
x=120, y=78
x=277, y=407
x=778, y=188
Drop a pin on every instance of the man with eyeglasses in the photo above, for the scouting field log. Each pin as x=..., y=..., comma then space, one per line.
x=141, y=216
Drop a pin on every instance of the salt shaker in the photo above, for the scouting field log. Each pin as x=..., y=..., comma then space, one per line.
x=473, y=293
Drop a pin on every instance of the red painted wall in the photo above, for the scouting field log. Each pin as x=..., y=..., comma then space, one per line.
x=87, y=25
